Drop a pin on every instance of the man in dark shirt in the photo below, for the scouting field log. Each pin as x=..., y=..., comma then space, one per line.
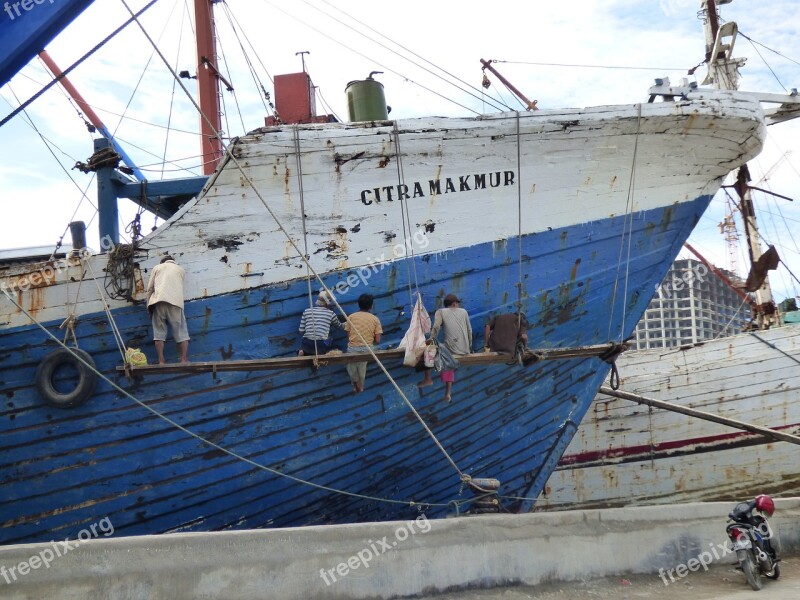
x=504, y=332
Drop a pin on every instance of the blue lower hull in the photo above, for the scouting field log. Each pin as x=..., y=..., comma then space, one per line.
x=63, y=469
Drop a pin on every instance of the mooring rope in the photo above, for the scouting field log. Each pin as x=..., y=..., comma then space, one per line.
x=246, y=177
x=200, y=438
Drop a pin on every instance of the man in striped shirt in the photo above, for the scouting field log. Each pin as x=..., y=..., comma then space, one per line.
x=315, y=325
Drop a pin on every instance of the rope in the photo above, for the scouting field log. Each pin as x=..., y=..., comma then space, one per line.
x=610, y=356
x=368, y=345
x=519, y=228
x=207, y=441
x=404, y=214
x=774, y=347
x=728, y=324
x=68, y=70
x=172, y=96
x=236, y=29
x=72, y=319
x=117, y=335
x=296, y=136
x=280, y=225
x=69, y=325
x=627, y=224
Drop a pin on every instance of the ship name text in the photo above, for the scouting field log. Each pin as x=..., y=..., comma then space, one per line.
x=437, y=187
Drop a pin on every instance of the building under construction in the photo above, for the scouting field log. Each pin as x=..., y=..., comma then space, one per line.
x=691, y=305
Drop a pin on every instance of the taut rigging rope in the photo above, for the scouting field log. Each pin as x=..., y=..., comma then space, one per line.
x=283, y=230
x=627, y=225
x=408, y=242
x=227, y=451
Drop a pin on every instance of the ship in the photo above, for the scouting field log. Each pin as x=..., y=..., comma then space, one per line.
x=570, y=215
x=627, y=453
x=712, y=419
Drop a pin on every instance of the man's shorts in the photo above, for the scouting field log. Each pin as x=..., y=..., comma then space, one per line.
x=165, y=314
x=308, y=346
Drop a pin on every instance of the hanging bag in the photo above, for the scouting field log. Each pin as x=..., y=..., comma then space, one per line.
x=414, y=339
x=444, y=361
x=429, y=356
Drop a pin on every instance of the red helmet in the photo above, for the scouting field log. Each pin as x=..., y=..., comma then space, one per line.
x=765, y=504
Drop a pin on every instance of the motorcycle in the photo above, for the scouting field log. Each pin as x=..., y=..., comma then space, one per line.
x=757, y=547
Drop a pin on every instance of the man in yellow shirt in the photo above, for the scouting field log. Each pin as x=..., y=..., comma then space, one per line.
x=369, y=326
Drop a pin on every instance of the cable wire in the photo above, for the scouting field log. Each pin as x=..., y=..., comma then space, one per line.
x=200, y=438
x=232, y=157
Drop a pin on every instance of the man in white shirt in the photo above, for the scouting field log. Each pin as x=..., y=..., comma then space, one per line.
x=165, y=304
x=457, y=330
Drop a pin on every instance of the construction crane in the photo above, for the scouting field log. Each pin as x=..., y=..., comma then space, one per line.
x=728, y=228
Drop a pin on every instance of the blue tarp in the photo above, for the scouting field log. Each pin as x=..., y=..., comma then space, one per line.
x=27, y=26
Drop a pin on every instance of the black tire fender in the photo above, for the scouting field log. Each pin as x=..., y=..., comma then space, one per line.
x=87, y=378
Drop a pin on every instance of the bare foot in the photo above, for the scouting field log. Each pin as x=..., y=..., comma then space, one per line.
x=447, y=397
x=425, y=382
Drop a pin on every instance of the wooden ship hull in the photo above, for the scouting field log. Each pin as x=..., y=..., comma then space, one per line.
x=579, y=213
x=625, y=453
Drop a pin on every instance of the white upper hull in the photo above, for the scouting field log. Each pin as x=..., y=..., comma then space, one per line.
x=557, y=168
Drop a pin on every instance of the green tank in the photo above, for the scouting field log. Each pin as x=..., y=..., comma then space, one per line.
x=365, y=100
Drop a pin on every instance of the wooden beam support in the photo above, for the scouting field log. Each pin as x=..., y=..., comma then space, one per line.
x=301, y=362
x=693, y=412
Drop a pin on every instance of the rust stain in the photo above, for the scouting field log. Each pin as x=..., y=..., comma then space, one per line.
x=36, y=296
x=574, y=272
x=690, y=122
x=265, y=306
x=41, y=277
x=666, y=218
x=562, y=309
x=437, y=176
x=138, y=281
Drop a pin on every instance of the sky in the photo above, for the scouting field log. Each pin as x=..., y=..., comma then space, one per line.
x=577, y=54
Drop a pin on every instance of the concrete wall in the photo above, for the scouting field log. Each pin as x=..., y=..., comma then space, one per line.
x=385, y=559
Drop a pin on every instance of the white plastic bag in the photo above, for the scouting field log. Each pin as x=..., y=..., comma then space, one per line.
x=429, y=355
x=414, y=339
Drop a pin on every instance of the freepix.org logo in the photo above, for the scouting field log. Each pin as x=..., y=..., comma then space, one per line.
x=15, y=10
x=45, y=557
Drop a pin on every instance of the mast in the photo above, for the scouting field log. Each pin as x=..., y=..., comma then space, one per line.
x=723, y=73
x=208, y=85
